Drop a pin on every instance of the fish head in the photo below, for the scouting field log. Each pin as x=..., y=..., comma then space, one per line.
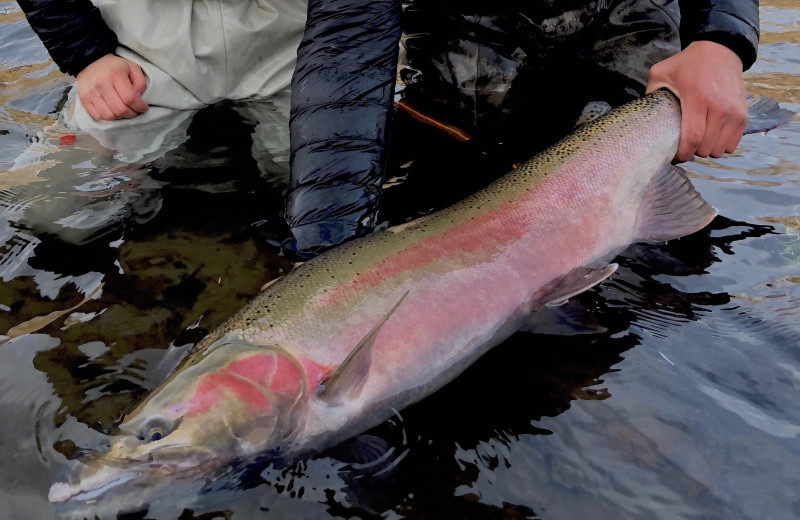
x=235, y=402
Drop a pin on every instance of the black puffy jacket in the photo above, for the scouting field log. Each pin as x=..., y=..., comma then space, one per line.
x=73, y=31
x=732, y=23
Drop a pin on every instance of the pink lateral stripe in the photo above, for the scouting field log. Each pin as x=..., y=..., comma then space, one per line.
x=453, y=243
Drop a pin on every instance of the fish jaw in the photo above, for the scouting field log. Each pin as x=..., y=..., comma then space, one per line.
x=87, y=478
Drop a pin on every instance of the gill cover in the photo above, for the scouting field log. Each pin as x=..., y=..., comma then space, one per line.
x=236, y=400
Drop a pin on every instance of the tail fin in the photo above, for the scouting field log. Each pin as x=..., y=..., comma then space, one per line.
x=764, y=114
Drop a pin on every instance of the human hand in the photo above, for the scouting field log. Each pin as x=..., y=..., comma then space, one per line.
x=707, y=78
x=111, y=88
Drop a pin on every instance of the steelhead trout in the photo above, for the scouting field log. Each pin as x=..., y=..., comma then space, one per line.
x=331, y=348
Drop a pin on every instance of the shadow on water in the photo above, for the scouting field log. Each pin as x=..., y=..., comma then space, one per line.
x=170, y=272
x=113, y=270
x=442, y=445
x=501, y=400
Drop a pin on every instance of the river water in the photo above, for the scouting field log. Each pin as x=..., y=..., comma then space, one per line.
x=687, y=407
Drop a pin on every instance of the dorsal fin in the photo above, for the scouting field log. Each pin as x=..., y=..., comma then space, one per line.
x=349, y=378
x=672, y=207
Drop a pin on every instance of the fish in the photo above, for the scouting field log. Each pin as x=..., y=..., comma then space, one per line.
x=338, y=344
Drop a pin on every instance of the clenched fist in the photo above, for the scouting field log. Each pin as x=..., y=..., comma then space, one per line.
x=111, y=88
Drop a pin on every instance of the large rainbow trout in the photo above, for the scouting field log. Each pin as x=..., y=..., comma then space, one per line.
x=331, y=348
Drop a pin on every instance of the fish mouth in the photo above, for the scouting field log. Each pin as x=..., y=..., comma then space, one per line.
x=89, y=488
x=87, y=479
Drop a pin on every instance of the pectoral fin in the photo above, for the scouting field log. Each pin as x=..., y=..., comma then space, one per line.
x=574, y=282
x=672, y=207
x=349, y=378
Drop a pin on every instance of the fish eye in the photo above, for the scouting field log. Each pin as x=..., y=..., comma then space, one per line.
x=156, y=428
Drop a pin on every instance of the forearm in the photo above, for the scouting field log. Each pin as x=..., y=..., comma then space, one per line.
x=73, y=31
x=341, y=100
x=732, y=23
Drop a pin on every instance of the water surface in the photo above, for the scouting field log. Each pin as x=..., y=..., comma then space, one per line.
x=687, y=407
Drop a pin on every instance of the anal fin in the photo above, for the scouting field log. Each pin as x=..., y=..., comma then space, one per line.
x=672, y=207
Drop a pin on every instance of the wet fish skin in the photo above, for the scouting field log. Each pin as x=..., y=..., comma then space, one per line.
x=443, y=289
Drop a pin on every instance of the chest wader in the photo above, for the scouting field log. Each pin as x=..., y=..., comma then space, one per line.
x=195, y=53
x=522, y=73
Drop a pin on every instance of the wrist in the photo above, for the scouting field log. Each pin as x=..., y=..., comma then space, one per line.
x=101, y=58
x=723, y=46
x=712, y=52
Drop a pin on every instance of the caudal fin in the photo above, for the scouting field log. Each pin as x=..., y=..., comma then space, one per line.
x=672, y=207
x=764, y=114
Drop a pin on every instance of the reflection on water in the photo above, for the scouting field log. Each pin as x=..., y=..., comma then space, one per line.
x=685, y=407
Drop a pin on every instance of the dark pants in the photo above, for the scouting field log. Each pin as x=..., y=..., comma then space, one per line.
x=523, y=76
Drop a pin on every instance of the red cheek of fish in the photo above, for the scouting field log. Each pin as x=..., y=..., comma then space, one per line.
x=279, y=374
x=214, y=388
x=270, y=371
x=314, y=373
x=287, y=379
x=257, y=368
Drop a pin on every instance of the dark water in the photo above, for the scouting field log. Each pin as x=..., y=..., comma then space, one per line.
x=688, y=407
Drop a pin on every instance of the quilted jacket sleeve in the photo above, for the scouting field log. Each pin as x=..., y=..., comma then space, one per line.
x=73, y=31
x=732, y=23
x=342, y=93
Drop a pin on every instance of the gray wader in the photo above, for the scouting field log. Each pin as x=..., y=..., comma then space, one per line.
x=194, y=53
